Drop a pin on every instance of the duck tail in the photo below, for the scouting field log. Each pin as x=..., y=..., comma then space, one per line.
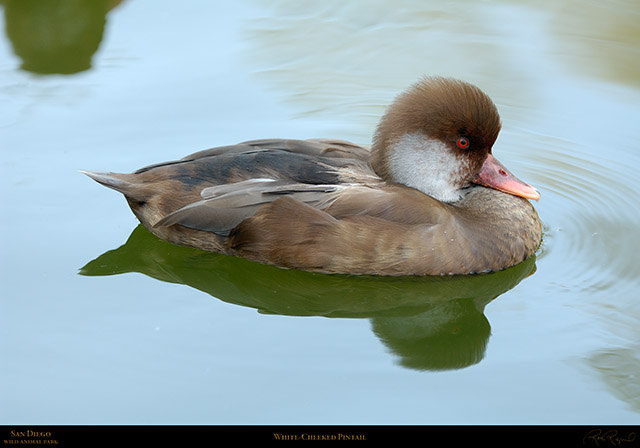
x=118, y=182
x=108, y=180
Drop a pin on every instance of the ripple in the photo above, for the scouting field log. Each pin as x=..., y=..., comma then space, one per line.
x=590, y=211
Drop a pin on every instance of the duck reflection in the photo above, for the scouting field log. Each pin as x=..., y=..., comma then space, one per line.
x=56, y=36
x=430, y=323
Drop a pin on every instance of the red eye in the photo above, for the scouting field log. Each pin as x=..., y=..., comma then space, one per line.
x=463, y=143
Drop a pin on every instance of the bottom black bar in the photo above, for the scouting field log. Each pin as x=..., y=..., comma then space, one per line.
x=184, y=436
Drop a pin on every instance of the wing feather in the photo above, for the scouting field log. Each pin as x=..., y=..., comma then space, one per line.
x=223, y=207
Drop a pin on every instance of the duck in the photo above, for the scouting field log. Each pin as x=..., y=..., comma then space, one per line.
x=427, y=197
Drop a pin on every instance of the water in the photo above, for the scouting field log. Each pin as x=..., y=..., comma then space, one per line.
x=102, y=323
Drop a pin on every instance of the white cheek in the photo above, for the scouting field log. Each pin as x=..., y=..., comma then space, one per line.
x=427, y=165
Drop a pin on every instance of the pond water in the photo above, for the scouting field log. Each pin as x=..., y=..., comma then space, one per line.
x=101, y=323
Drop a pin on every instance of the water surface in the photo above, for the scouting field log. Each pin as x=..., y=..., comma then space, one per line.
x=102, y=323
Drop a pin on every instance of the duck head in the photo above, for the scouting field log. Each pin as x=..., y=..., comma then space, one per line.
x=437, y=137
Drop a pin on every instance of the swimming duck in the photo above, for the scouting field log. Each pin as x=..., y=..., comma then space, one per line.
x=427, y=198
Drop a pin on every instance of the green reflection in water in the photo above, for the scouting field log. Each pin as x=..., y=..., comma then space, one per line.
x=431, y=323
x=56, y=36
x=619, y=369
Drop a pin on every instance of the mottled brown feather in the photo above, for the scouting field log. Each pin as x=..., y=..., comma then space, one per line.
x=387, y=240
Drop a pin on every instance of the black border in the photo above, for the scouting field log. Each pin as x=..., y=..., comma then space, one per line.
x=188, y=435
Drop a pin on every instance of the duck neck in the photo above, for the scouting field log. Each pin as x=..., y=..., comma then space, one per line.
x=423, y=163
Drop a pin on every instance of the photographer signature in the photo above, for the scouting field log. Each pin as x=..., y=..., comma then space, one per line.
x=598, y=436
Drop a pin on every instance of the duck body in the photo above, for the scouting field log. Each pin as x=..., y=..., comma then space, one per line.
x=335, y=207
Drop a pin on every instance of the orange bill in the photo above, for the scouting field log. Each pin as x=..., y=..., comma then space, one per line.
x=493, y=174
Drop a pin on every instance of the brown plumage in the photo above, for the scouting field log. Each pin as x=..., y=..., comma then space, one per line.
x=335, y=207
